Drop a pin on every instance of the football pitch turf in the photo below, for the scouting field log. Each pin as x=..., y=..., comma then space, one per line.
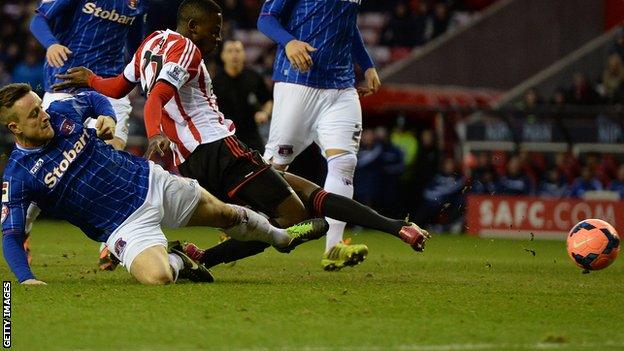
x=463, y=293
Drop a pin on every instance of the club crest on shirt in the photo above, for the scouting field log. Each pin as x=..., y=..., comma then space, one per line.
x=5, y=213
x=120, y=245
x=132, y=4
x=67, y=127
x=5, y=191
x=285, y=150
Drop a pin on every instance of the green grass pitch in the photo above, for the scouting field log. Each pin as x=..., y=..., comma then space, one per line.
x=463, y=293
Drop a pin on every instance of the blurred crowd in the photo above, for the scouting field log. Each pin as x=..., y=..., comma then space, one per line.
x=607, y=89
x=390, y=29
x=402, y=172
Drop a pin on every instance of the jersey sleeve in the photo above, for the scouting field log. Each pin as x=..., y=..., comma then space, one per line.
x=132, y=70
x=182, y=63
x=269, y=21
x=275, y=7
x=16, y=196
x=359, y=53
x=52, y=8
x=88, y=104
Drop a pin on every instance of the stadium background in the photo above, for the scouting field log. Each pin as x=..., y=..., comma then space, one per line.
x=473, y=102
x=478, y=106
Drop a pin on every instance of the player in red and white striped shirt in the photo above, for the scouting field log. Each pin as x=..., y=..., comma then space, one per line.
x=181, y=114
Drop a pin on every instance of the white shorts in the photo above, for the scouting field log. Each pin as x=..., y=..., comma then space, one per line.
x=332, y=118
x=170, y=202
x=121, y=107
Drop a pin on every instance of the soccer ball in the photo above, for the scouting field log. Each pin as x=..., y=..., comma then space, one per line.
x=593, y=244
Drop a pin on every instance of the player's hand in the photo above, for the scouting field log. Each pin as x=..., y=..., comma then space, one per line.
x=73, y=78
x=298, y=54
x=57, y=54
x=261, y=117
x=105, y=127
x=33, y=282
x=372, y=83
x=159, y=143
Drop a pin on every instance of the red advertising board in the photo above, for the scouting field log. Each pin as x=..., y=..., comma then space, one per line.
x=518, y=216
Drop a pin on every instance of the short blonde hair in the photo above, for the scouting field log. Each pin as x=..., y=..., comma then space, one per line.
x=8, y=96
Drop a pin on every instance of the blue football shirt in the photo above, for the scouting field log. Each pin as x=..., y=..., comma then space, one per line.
x=330, y=26
x=95, y=32
x=75, y=176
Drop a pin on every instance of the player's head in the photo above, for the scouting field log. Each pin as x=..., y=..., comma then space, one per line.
x=201, y=21
x=233, y=54
x=22, y=114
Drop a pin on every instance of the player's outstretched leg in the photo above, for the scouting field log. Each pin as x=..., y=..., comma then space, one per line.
x=244, y=224
x=321, y=203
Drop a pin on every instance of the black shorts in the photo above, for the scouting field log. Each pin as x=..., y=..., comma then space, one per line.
x=232, y=172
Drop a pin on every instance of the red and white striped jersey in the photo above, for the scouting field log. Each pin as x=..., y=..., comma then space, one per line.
x=192, y=116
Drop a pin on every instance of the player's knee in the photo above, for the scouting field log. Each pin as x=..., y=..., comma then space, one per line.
x=159, y=274
x=342, y=165
x=162, y=277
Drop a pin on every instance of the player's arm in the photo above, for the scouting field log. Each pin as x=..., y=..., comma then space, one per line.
x=298, y=52
x=15, y=201
x=56, y=54
x=363, y=59
x=98, y=105
x=161, y=93
x=82, y=77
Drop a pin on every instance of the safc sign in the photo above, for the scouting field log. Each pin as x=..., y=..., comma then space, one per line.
x=546, y=218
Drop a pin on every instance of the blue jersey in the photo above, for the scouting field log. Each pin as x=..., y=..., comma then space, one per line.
x=330, y=27
x=95, y=32
x=75, y=176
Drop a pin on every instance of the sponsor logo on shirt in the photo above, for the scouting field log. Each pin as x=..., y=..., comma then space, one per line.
x=132, y=4
x=69, y=156
x=36, y=167
x=177, y=74
x=91, y=8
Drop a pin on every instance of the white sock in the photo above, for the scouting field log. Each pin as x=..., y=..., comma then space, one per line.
x=340, y=169
x=253, y=226
x=176, y=264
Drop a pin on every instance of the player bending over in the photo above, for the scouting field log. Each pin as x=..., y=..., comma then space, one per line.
x=112, y=196
x=181, y=113
x=91, y=34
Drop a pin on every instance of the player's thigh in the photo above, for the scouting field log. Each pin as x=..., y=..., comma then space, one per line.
x=294, y=114
x=49, y=98
x=212, y=212
x=340, y=125
x=151, y=266
x=138, y=233
x=177, y=197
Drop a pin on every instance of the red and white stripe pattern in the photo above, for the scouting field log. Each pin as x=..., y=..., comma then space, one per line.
x=192, y=117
